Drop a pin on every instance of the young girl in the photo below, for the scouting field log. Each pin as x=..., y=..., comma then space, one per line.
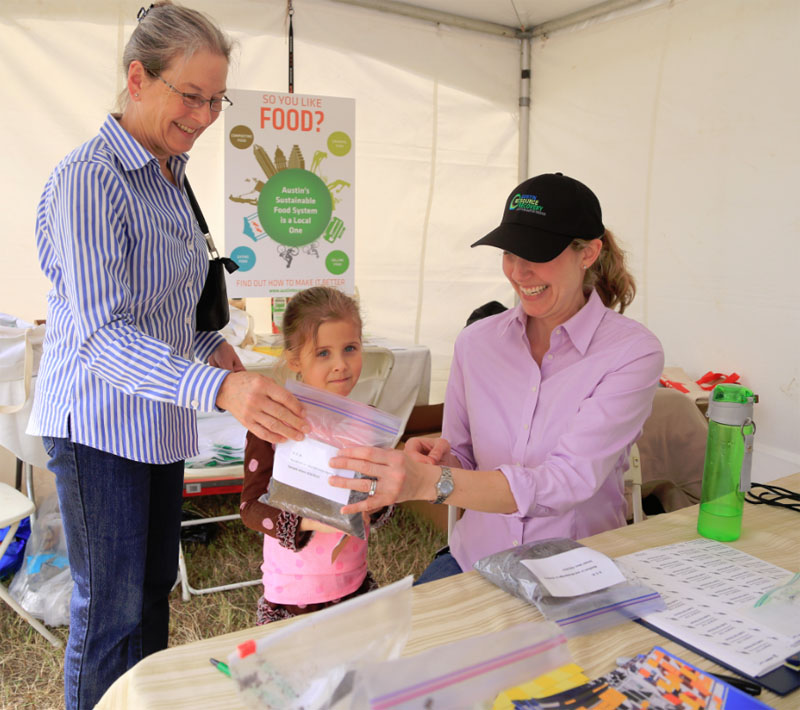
x=322, y=342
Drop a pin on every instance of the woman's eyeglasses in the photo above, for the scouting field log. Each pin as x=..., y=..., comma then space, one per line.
x=195, y=100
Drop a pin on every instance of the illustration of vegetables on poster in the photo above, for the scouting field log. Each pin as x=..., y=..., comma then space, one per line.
x=289, y=185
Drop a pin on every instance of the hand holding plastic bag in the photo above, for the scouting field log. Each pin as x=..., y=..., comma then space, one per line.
x=299, y=476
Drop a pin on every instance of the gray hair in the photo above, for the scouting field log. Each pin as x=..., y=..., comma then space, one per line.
x=166, y=31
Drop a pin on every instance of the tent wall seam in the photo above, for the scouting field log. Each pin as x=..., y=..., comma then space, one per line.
x=424, y=244
x=651, y=158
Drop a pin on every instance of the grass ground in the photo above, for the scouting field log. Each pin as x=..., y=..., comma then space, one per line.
x=31, y=669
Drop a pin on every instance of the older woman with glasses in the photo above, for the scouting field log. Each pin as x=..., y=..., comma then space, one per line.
x=124, y=370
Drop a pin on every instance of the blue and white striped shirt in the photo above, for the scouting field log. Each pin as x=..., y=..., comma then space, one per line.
x=127, y=262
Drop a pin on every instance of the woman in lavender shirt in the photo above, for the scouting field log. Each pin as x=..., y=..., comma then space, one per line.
x=543, y=401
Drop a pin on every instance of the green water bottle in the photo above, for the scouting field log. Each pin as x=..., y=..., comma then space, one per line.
x=729, y=454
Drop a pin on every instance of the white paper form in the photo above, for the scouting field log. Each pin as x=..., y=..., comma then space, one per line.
x=574, y=572
x=304, y=465
x=703, y=583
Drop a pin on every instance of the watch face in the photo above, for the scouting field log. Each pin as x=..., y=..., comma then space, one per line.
x=445, y=487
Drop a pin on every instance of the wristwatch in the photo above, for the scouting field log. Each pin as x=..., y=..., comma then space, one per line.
x=444, y=486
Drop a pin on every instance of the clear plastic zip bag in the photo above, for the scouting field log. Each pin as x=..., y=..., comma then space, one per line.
x=299, y=482
x=468, y=673
x=576, y=615
x=311, y=663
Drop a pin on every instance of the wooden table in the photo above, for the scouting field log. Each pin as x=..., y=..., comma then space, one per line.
x=467, y=605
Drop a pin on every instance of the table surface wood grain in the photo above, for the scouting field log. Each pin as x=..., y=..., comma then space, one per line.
x=467, y=605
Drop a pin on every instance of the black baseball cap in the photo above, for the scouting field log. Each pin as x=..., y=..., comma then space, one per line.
x=543, y=215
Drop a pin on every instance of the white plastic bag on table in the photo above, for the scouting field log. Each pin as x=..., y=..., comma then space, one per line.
x=43, y=586
x=463, y=674
x=575, y=615
x=336, y=422
x=310, y=663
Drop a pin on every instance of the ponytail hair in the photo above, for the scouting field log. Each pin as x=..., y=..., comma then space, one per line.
x=609, y=274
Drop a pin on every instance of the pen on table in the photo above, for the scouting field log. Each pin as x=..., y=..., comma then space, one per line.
x=744, y=685
x=220, y=666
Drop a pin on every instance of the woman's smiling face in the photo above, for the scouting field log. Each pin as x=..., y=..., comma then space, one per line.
x=551, y=291
x=167, y=126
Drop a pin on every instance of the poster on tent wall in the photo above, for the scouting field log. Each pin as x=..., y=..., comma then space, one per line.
x=289, y=192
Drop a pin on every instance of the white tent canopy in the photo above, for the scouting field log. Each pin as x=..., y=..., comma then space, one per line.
x=679, y=114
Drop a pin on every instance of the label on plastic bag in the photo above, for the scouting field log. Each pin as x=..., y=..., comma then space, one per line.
x=575, y=572
x=304, y=465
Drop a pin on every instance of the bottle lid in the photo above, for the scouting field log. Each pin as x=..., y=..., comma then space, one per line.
x=733, y=393
x=731, y=404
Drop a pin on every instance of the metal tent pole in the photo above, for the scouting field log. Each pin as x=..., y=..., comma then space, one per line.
x=395, y=7
x=524, y=108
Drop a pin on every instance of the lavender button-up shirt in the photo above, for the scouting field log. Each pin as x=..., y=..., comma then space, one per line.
x=560, y=433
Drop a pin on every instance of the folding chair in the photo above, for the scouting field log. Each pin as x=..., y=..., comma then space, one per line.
x=673, y=448
x=20, y=352
x=14, y=506
x=213, y=480
x=453, y=514
x=377, y=364
x=633, y=486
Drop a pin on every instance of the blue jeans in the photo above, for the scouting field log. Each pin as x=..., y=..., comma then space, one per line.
x=443, y=565
x=122, y=524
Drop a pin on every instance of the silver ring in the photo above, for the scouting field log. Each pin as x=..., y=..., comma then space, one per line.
x=372, y=487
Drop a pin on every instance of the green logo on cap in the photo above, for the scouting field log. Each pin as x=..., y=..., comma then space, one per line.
x=525, y=203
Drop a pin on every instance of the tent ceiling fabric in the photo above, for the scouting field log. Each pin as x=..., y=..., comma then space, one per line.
x=512, y=13
x=511, y=18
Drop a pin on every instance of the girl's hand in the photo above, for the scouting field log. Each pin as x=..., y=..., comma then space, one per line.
x=263, y=406
x=399, y=477
x=225, y=358
x=427, y=450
